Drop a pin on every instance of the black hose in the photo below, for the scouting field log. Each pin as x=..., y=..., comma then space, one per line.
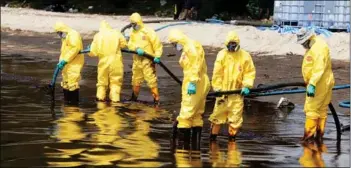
x=259, y=89
x=161, y=64
x=126, y=27
x=336, y=120
x=230, y=22
x=160, y=21
x=281, y=85
x=345, y=128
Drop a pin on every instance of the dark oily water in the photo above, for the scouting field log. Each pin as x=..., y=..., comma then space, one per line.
x=37, y=133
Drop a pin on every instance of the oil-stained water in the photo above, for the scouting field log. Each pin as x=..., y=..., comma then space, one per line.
x=37, y=133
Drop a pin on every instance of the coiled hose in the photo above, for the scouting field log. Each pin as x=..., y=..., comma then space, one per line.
x=345, y=104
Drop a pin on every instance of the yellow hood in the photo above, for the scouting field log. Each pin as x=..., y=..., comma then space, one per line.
x=104, y=25
x=136, y=18
x=61, y=27
x=232, y=37
x=177, y=36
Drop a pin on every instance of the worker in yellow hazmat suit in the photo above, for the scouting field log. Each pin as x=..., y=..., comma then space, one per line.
x=319, y=78
x=233, y=70
x=71, y=62
x=195, y=85
x=106, y=45
x=144, y=40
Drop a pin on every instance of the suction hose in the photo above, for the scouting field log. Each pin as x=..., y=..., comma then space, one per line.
x=161, y=64
x=256, y=92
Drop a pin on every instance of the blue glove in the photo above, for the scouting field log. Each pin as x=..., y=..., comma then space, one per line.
x=86, y=50
x=191, y=88
x=126, y=37
x=245, y=91
x=311, y=90
x=61, y=64
x=157, y=60
x=140, y=51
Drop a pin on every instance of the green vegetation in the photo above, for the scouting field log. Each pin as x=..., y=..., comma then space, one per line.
x=222, y=9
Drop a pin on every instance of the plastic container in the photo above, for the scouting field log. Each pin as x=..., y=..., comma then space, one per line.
x=324, y=14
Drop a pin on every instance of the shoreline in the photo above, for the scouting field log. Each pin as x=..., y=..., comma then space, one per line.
x=89, y=36
x=271, y=69
x=252, y=39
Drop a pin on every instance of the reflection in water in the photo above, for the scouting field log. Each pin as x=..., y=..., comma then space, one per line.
x=186, y=158
x=67, y=130
x=117, y=136
x=218, y=159
x=109, y=123
x=106, y=146
x=312, y=155
x=141, y=149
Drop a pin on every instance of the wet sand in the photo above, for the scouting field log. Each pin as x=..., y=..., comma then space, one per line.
x=30, y=133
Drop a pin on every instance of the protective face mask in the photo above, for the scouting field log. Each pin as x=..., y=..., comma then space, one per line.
x=306, y=45
x=135, y=26
x=62, y=35
x=179, y=47
x=233, y=47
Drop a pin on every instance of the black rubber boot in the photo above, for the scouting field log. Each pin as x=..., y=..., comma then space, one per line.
x=65, y=95
x=213, y=137
x=133, y=98
x=156, y=103
x=319, y=137
x=174, y=136
x=186, y=137
x=231, y=138
x=175, y=130
x=73, y=97
x=195, y=138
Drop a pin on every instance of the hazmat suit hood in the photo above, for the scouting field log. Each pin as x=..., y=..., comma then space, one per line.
x=104, y=26
x=61, y=27
x=232, y=37
x=177, y=36
x=136, y=18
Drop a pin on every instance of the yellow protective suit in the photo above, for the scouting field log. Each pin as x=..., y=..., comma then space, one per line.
x=143, y=68
x=107, y=44
x=71, y=45
x=232, y=71
x=194, y=67
x=317, y=71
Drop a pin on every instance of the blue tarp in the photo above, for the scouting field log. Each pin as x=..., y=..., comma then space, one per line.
x=294, y=30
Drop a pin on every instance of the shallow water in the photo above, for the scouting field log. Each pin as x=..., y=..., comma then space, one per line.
x=37, y=133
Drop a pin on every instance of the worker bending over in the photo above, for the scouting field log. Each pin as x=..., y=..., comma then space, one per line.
x=233, y=70
x=195, y=85
x=106, y=45
x=318, y=76
x=144, y=40
x=71, y=62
